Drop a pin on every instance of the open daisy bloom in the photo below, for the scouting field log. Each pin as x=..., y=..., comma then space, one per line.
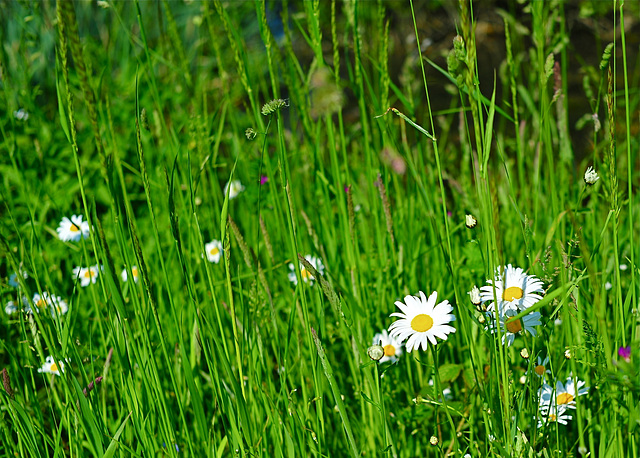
x=555, y=414
x=563, y=395
x=51, y=367
x=72, y=230
x=235, y=187
x=213, y=249
x=421, y=321
x=134, y=272
x=509, y=328
x=87, y=275
x=55, y=304
x=514, y=289
x=304, y=273
x=392, y=347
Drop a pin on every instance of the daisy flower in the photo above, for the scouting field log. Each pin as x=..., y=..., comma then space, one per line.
x=72, y=230
x=134, y=272
x=304, y=273
x=55, y=304
x=509, y=329
x=563, y=395
x=214, y=251
x=556, y=414
x=540, y=369
x=51, y=367
x=87, y=275
x=13, y=279
x=514, y=289
x=11, y=308
x=235, y=187
x=421, y=321
x=392, y=348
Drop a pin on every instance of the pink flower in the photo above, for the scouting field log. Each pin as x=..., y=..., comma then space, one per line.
x=263, y=179
x=625, y=353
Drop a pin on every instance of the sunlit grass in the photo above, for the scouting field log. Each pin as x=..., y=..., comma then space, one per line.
x=265, y=183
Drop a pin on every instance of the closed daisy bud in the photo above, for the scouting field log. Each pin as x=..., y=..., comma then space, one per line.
x=524, y=353
x=470, y=221
x=474, y=295
x=567, y=353
x=375, y=352
x=433, y=440
x=591, y=176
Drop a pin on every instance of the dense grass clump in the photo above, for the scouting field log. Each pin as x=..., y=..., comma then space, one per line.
x=211, y=210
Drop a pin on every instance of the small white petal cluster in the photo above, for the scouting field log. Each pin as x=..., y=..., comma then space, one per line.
x=553, y=403
x=51, y=367
x=591, y=176
x=234, y=187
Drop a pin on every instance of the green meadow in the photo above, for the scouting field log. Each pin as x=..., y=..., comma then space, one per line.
x=210, y=209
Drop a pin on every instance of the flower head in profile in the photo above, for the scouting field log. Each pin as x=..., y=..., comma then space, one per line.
x=509, y=327
x=541, y=369
x=234, y=187
x=391, y=346
x=213, y=249
x=87, y=275
x=74, y=229
x=513, y=288
x=421, y=321
x=134, y=272
x=51, y=367
x=304, y=273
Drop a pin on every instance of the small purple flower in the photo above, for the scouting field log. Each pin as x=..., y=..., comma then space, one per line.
x=347, y=188
x=263, y=179
x=625, y=353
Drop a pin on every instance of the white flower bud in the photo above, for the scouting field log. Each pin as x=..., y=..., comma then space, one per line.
x=470, y=221
x=591, y=176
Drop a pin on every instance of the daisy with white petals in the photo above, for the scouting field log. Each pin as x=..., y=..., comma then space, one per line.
x=51, y=367
x=509, y=329
x=540, y=369
x=563, y=395
x=304, y=273
x=214, y=251
x=514, y=289
x=87, y=275
x=72, y=230
x=421, y=321
x=134, y=272
x=555, y=414
x=55, y=304
x=235, y=188
x=392, y=347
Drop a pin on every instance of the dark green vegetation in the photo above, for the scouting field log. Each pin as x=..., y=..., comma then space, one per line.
x=137, y=118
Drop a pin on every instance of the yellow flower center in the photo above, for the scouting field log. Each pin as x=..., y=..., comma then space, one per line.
x=552, y=417
x=564, y=398
x=421, y=323
x=214, y=251
x=539, y=370
x=512, y=293
x=305, y=274
x=74, y=228
x=514, y=326
x=39, y=304
x=134, y=271
x=389, y=350
x=54, y=367
x=89, y=273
